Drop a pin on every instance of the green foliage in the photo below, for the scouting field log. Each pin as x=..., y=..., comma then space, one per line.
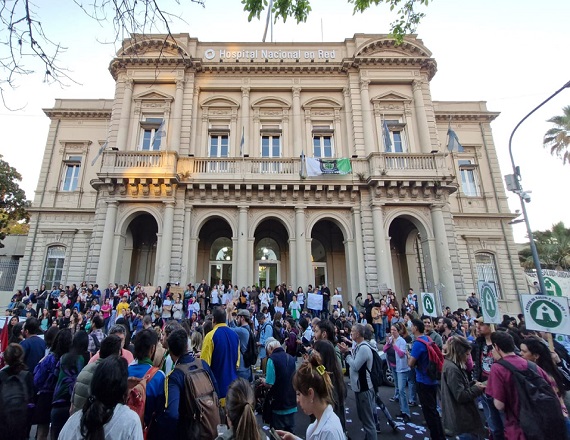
x=407, y=22
x=558, y=138
x=553, y=248
x=13, y=203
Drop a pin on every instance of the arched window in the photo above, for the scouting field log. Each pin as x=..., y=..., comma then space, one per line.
x=221, y=250
x=53, y=269
x=487, y=270
x=318, y=252
x=267, y=249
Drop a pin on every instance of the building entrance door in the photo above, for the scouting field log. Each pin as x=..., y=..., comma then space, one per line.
x=267, y=274
x=220, y=271
x=320, y=274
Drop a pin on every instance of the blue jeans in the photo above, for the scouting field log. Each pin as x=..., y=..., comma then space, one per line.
x=402, y=381
x=413, y=397
x=396, y=387
x=365, y=408
x=493, y=418
x=377, y=331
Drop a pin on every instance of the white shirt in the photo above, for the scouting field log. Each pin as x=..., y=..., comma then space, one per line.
x=328, y=428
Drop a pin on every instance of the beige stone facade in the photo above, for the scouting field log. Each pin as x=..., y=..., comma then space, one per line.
x=192, y=172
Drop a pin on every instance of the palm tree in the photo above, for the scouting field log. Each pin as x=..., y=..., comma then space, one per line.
x=558, y=138
x=553, y=246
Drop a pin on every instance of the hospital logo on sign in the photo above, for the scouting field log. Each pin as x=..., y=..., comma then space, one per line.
x=546, y=313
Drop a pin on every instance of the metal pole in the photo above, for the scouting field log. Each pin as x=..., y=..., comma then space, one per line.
x=517, y=174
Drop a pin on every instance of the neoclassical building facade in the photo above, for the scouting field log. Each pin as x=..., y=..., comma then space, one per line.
x=193, y=171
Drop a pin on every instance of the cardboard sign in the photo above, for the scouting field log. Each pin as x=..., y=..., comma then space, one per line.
x=489, y=303
x=314, y=301
x=428, y=304
x=546, y=313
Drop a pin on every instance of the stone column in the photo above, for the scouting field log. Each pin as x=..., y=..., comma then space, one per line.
x=242, y=251
x=123, y=132
x=176, y=129
x=166, y=244
x=359, y=246
x=369, y=143
x=192, y=259
x=106, y=254
x=421, y=117
x=194, y=137
x=302, y=271
x=444, y=267
x=245, y=123
x=348, y=123
x=186, y=245
x=297, y=122
x=382, y=248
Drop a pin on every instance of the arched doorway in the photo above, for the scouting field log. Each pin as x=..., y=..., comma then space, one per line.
x=271, y=253
x=215, y=252
x=408, y=256
x=328, y=257
x=141, y=239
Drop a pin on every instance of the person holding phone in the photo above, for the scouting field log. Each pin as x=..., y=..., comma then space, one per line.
x=460, y=414
x=314, y=390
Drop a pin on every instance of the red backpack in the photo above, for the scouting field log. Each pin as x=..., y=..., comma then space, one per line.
x=136, y=398
x=435, y=359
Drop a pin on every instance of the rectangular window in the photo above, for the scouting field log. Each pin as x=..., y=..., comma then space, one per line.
x=396, y=135
x=271, y=146
x=219, y=145
x=71, y=173
x=152, y=133
x=323, y=141
x=469, y=185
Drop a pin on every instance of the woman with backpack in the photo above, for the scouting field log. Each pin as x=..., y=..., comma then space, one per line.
x=105, y=416
x=460, y=414
x=45, y=379
x=70, y=365
x=16, y=391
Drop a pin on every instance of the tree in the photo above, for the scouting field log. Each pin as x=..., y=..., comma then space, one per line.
x=553, y=248
x=25, y=44
x=13, y=203
x=558, y=138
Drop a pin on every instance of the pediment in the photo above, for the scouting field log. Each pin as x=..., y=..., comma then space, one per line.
x=391, y=96
x=271, y=102
x=220, y=101
x=153, y=95
x=387, y=47
x=322, y=102
x=153, y=47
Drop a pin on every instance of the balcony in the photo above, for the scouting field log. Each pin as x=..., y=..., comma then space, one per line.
x=133, y=164
x=167, y=165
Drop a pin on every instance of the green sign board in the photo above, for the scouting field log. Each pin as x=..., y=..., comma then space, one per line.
x=489, y=303
x=428, y=304
x=546, y=313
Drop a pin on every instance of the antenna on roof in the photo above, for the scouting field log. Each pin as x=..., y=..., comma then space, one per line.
x=269, y=16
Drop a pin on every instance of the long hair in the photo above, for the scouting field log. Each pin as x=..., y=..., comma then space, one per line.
x=14, y=357
x=457, y=350
x=240, y=403
x=544, y=361
x=330, y=362
x=108, y=388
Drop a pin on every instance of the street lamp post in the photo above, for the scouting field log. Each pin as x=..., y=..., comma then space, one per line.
x=514, y=185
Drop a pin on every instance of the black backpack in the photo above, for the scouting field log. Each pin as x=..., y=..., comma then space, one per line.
x=279, y=334
x=540, y=412
x=251, y=352
x=375, y=372
x=14, y=396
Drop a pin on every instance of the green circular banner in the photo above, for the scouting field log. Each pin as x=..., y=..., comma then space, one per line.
x=489, y=301
x=546, y=314
x=429, y=305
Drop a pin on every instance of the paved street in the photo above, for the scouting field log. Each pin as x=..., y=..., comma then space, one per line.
x=412, y=430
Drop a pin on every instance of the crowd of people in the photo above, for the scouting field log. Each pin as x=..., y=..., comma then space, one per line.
x=203, y=361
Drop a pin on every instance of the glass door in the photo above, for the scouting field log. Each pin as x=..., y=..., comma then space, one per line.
x=267, y=274
x=220, y=271
x=320, y=274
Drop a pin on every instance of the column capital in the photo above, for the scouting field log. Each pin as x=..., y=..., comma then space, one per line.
x=245, y=92
x=112, y=204
x=196, y=90
x=243, y=208
x=417, y=85
x=364, y=83
x=129, y=84
x=436, y=206
x=296, y=91
x=169, y=203
x=356, y=210
x=346, y=91
x=377, y=205
x=300, y=208
x=179, y=84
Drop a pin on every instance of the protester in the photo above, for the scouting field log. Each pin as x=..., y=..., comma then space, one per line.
x=105, y=415
x=121, y=332
x=34, y=346
x=401, y=370
x=14, y=422
x=360, y=362
x=314, y=395
x=242, y=326
x=426, y=387
x=460, y=415
x=240, y=416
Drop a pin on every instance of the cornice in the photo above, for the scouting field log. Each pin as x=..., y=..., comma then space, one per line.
x=75, y=113
x=466, y=116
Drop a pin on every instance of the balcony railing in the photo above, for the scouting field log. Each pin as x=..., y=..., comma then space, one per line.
x=393, y=166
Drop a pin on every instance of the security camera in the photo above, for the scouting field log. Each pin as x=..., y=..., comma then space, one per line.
x=525, y=196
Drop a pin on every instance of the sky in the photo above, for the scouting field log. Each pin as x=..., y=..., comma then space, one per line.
x=510, y=53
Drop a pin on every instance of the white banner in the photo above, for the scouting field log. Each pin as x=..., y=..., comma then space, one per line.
x=428, y=304
x=314, y=301
x=546, y=313
x=557, y=283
